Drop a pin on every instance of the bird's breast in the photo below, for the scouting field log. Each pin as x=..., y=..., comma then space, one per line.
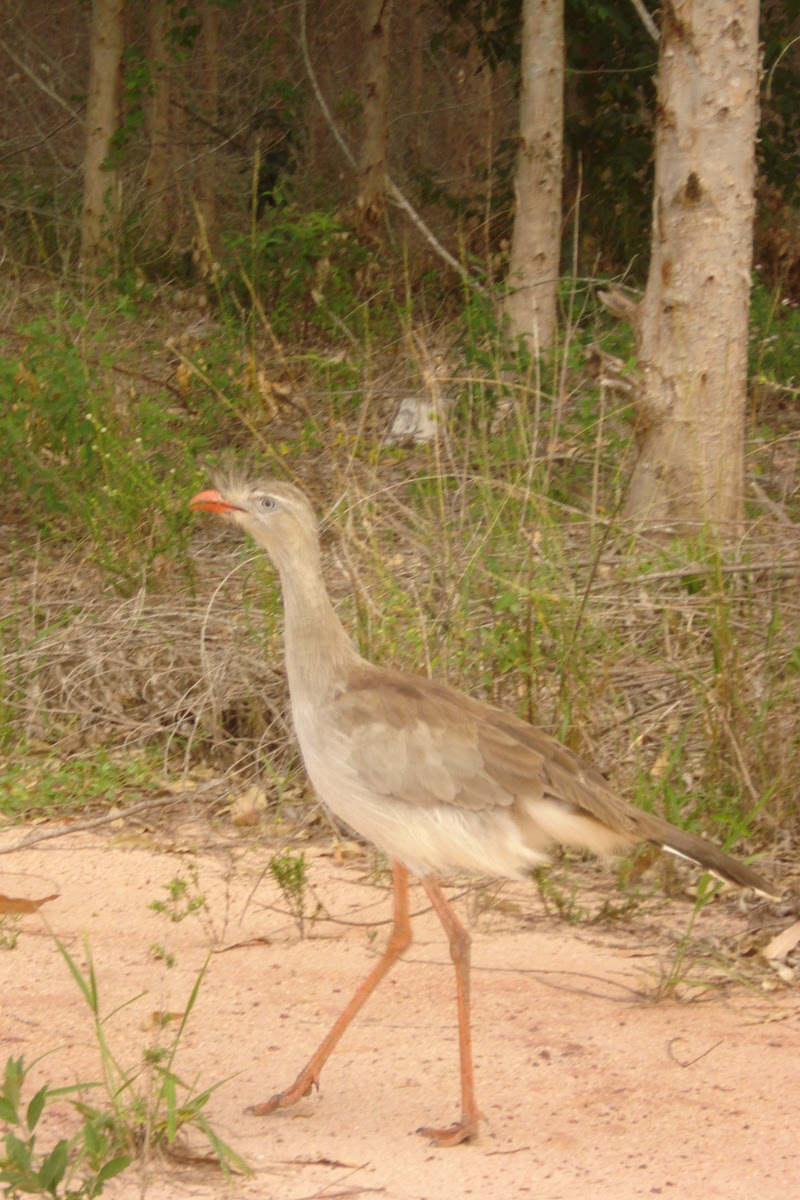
x=429, y=836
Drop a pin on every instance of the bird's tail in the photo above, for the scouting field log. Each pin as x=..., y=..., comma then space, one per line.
x=703, y=854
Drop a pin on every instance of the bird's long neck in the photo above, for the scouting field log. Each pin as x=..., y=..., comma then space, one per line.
x=318, y=650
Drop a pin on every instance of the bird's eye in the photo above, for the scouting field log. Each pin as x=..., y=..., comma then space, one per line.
x=266, y=503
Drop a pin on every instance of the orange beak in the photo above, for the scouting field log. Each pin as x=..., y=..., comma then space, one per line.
x=210, y=501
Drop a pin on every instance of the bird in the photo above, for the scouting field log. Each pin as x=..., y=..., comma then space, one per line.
x=440, y=781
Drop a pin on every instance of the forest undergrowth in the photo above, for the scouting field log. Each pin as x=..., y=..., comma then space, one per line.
x=140, y=648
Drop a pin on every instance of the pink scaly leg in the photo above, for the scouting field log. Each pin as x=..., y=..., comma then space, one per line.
x=459, y=941
x=399, y=941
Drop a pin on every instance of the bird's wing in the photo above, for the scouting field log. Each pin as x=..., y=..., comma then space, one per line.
x=422, y=742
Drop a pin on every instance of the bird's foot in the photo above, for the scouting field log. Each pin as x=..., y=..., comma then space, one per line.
x=301, y=1087
x=454, y=1135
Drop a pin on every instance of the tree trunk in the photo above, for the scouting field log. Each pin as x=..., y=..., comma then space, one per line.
x=371, y=201
x=156, y=175
x=205, y=188
x=100, y=182
x=692, y=323
x=415, y=49
x=531, y=304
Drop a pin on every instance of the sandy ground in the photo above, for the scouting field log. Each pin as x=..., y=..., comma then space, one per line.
x=588, y=1087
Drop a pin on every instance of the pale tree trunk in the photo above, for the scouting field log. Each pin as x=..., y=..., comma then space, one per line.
x=205, y=187
x=532, y=300
x=100, y=183
x=371, y=200
x=156, y=175
x=692, y=323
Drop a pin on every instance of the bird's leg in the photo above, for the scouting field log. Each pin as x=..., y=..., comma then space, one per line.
x=459, y=941
x=399, y=941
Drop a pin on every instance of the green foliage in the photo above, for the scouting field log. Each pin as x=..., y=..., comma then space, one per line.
x=774, y=339
x=608, y=121
x=148, y=1105
x=161, y=954
x=35, y=786
x=9, y=930
x=674, y=977
x=608, y=129
x=136, y=87
x=74, y=1169
x=302, y=269
x=90, y=457
x=559, y=896
x=38, y=221
x=290, y=872
x=182, y=899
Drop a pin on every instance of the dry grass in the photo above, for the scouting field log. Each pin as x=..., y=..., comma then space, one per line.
x=635, y=650
x=675, y=669
x=684, y=676
x=84, y=668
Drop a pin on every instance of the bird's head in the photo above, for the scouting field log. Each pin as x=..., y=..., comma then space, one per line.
x=276, y=515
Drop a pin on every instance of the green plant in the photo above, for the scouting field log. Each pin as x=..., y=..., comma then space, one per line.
x=161, y=954
x=90, y=456
x=183, y=898
x=49, y=786
x=555, y=897
x=9, y=930
x=290, y=872
x=674, y=975
x=148, y=1105
x=303, y=268
x=74, y=1169
x=774, y=339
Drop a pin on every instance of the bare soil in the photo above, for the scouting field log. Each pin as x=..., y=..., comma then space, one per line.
x=588, y=1086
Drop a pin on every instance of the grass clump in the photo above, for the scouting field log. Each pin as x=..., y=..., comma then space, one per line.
x=32, y=786
x=147, y=1106
x=143, y=1110
x=77, y=1168
x=290, y=872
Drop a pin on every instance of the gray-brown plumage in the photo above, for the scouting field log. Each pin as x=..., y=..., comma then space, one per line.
x=439, y=781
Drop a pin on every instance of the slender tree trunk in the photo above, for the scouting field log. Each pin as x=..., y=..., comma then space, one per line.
x=205, y=189
x=692, y=324
x=532, y=301
x=156, y=175
x=371, y=201
x=182, y=218
x=100, y=182
x=416, y=80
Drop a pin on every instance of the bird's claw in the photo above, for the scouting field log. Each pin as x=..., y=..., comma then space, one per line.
x=454, y=1135
x=267, y=1106
x=283, y=1099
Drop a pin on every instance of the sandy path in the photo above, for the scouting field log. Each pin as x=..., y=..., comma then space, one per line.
x=587, y=1089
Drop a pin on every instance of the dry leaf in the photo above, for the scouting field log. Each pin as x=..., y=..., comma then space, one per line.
x=183, y=378
x=16, y=904
x=247, y=808
x=783, y=943
x=133, y=841
x=158, y=1019
x=347, y=851
x=502, y=905
x=23, y=375
x=181, y=785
